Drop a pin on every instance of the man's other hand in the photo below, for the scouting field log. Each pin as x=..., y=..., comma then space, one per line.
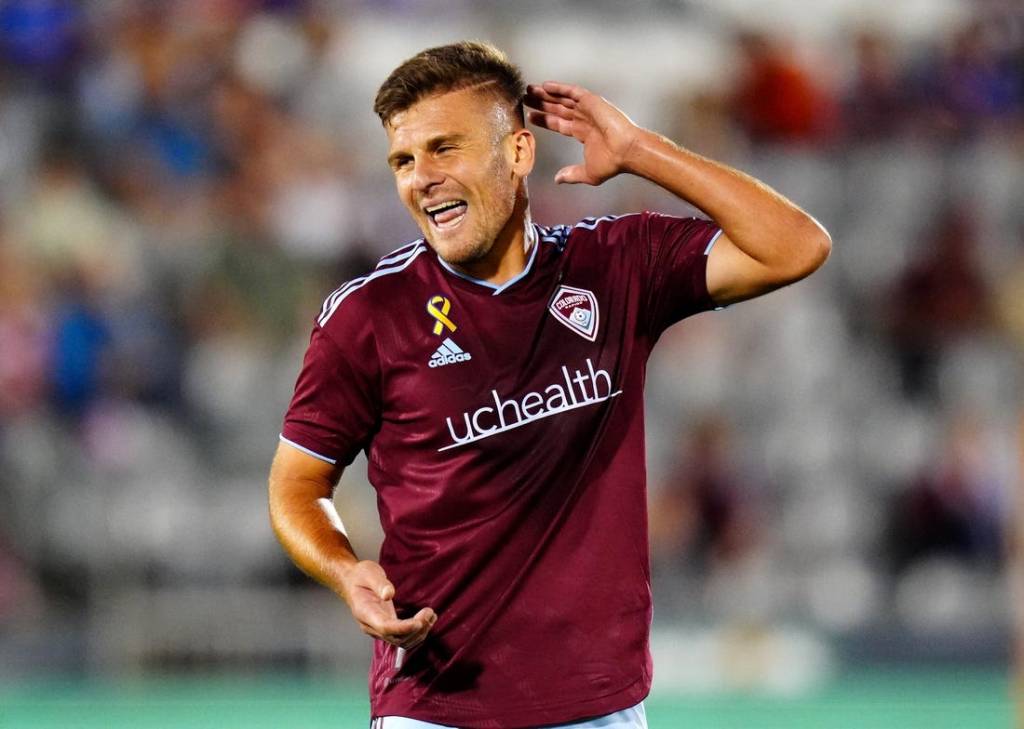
x=369, y=595
x=606, y=133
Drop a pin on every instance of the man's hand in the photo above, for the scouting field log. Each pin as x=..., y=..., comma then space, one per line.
x=369, y=596
x=305, y=521
x=607, y=134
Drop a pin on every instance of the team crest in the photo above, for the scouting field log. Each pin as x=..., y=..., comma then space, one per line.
x=576, y=309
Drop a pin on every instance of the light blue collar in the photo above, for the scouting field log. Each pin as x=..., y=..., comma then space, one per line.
x=531, y=239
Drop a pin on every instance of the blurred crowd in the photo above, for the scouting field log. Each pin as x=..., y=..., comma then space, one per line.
x=182, y=182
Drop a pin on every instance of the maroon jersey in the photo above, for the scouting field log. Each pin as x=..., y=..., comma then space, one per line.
x=503, y=426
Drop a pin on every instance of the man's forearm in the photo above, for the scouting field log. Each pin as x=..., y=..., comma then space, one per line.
x=759, y=221
x=310, y=530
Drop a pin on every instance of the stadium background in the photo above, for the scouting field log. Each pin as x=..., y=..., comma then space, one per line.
x=834, y=469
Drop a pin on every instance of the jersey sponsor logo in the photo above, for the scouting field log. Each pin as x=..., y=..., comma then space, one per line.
x=576, y=309
x=574, y=390
x=448, y=353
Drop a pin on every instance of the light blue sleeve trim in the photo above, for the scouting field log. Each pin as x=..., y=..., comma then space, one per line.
x=706, y=252
x=712, y=241
x=293, y=444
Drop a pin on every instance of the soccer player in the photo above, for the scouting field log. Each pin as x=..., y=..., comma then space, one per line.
x=493, y=374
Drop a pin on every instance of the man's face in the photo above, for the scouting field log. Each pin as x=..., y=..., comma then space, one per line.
x=458, y=162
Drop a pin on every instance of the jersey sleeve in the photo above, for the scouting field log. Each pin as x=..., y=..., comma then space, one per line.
x=674, y=254
x=335, y=409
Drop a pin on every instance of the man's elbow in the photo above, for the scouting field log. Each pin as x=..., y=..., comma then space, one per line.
x=821, y=244
x=812, y=245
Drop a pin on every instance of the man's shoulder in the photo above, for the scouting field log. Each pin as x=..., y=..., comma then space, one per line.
x=594, y=228
x=359, y=296
x=625, y=229
x=592, y=233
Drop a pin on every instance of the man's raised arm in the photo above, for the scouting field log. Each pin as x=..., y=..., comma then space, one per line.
x=310, y=530
x=767, y=241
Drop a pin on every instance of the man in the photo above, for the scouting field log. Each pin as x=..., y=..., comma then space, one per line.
x=493, y=374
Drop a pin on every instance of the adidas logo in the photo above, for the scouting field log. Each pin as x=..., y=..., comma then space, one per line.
x=448, y=353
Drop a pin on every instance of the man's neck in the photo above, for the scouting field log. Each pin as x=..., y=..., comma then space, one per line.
x=507, y=258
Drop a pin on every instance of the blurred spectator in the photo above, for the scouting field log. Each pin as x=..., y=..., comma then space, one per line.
x=68, y=225
x=1010, y=297
x=954, y=506
x=80, y=361
x=776, y=99
x=19, y=594
x=940, y=298
x=23, y=336
x=42, y=37
x=972, y=83
x=876, y=103
x=706, y=515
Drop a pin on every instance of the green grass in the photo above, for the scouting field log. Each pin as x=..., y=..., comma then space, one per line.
x=879, y=700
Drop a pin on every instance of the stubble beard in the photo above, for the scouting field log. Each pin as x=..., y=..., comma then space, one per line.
x=482, y=241
x=479, y=246
x=476, y=251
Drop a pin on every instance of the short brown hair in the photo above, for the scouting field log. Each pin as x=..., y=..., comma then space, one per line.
x=450, y=68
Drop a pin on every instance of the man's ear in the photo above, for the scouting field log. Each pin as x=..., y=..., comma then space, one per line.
x=522, y=152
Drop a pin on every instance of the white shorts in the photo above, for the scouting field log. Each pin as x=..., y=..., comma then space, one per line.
x=631, y=718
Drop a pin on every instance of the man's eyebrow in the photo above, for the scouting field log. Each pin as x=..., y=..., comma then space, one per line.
x=396, y=155
x=442, y=138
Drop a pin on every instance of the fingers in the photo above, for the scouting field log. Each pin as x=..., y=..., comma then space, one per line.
x=369, y=594
x=548, y=107
x=567, y=94
x=573, y=175
x=368, y=575
x=427, y=618
x=551, y=122
x=569, y=91
x=537, y=95
x=557, y=108
x=407, y=633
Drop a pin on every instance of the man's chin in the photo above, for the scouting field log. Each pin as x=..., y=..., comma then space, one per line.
x=459, y=255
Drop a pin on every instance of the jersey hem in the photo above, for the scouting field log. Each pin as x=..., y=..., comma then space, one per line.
x=515, y=717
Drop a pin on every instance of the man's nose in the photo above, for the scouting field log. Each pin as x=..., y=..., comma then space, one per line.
x=426, y=174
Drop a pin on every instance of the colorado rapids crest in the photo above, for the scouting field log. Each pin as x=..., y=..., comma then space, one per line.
x=576, y=309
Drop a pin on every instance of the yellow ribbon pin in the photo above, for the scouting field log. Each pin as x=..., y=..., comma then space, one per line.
x=440, y=314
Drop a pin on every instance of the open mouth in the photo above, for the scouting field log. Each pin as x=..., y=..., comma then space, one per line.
x=448, y=214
